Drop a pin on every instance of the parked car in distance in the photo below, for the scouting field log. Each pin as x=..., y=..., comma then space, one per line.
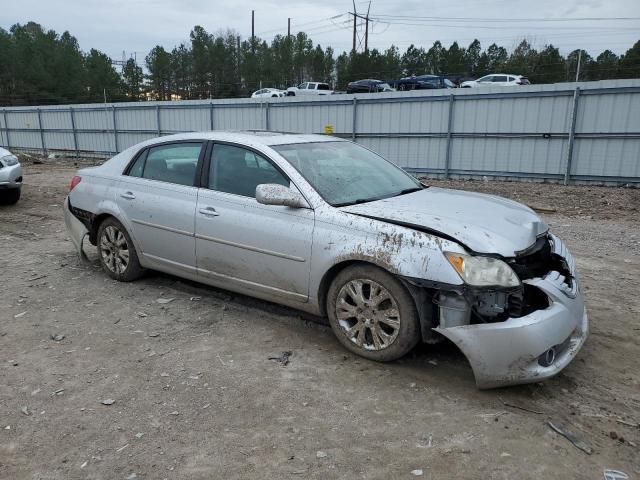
x=497, y=79
x=310, y=88
x=327, y=226
x=369, y=85
x=268, y=93
x=423, y=82
x=10, y=177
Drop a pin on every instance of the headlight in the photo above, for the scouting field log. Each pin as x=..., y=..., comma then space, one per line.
x=9, y=160
x=483, y=271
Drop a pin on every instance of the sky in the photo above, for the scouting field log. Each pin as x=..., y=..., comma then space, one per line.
x=136, y=26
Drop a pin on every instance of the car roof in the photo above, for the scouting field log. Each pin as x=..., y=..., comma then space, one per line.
x=248, y=137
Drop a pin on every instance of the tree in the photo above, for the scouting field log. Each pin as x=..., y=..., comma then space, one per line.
x=606, y=65
x=132, y=78
x=102, y=81
x=414, y=61
x=586, y=67
x=159, y=64
x=472, y=58
x=435, y=58
x=522, y=60
x=630, y=63
x=550, y=66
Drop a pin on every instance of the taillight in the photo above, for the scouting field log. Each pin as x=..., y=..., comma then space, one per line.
x=74, y=181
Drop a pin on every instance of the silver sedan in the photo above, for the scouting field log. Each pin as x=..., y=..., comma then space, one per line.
x=327, y=226
x=10, y=177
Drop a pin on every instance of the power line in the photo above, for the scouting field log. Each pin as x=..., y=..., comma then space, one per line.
x=510, y=20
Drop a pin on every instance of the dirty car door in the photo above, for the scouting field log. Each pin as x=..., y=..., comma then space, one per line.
x=263, y=248
x=158, y=197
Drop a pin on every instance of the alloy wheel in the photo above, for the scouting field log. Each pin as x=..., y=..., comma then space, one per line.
x=368, y=314
x=114, y=249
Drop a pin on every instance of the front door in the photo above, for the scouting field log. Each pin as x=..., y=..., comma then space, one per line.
x=260, y=248
x=158, y=197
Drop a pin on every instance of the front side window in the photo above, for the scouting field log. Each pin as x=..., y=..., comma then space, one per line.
x=500, y=78
x=302, y=86
x=344, y=173
x=239, y=171
x=488, y=78
x=172, y=163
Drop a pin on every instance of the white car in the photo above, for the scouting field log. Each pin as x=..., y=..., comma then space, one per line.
x=324, y=225
x=497, y=79
x=310, y=88
x=268, y=93
x=10, y=177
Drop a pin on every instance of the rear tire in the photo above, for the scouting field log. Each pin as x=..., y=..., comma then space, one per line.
x=117, y=253
x=10, y=196
x=372, y=314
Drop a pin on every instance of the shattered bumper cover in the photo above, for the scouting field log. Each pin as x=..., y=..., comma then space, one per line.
x=76, y=229
x=513, y=351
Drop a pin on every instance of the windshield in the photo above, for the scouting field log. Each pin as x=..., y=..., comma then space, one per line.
x=344, y=173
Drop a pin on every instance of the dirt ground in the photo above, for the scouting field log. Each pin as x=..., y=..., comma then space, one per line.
x=194, y=394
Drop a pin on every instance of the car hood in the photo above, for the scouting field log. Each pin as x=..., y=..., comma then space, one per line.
x=482, y=223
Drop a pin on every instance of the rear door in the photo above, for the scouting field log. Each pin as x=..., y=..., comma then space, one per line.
x=158, y=197
x=260, y=248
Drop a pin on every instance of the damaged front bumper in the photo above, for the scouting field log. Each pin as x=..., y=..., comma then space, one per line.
x=76, y=229
x=532, y=347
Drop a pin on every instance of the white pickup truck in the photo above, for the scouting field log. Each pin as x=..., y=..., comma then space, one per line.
x=310, y=88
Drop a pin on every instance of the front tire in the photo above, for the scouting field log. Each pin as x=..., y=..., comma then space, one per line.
x=117, y=253
x=10, y=196
x=372, y=314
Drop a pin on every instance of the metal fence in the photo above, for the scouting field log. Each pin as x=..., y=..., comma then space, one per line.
x=572, y=132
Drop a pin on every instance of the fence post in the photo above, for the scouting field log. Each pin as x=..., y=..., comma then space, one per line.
x=75, y=132
x=266, y=115
x=44, y=148
x=572, y=135
x=158, y=120
x=354, y=126
x=211, y=115
x=6, y=129
x=447, y=159
x=115, y=128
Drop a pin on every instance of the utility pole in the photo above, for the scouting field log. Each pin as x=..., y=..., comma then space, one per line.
x=355, y=18
x=253, y=37
x=289, y=27
x=366, y=30
x=578, y=69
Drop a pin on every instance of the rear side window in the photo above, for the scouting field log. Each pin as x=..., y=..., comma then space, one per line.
x=171, y=163
x=239, y=171
x=323, y=86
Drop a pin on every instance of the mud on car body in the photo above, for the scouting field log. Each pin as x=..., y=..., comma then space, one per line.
x=327, y=226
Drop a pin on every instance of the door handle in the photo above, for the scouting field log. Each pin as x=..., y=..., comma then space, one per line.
x=209, y=211
x=128, y=195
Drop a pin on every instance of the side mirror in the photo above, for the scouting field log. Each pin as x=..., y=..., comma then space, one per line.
x=274, y=194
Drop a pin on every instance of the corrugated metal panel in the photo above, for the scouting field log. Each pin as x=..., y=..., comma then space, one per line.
x=311, y=118
x=526, y=155
x=94, y=119
x=95, y=142
x=513, y=115
x=185, y=119
x=410, y=152
x=22, y=119
x=136, y=119
x=608, y=113
x=58, y=140
x=409, y=117
x=52, y=119
x=24, y=139
x=607, y=157
x=239, y=118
